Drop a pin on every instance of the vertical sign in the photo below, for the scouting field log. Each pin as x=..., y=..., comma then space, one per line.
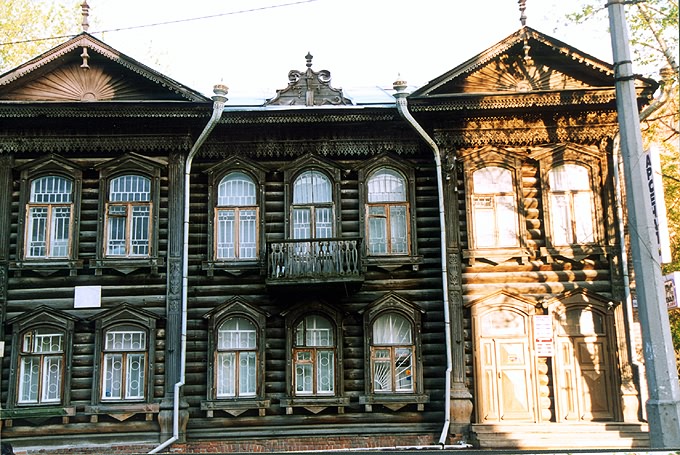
x=658, y=201
x=543, y=335
x=671, y=283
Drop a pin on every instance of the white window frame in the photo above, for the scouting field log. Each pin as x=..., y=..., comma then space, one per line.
x=572, y=205
x=489, y=201
x=236, y=359
x=41, y=364
x=312, y=211
x=131, y=206
x=387, y=193
x=124, y=361
x=52, y=197
x=243, y=227
x=313, y=347
x=395, y=351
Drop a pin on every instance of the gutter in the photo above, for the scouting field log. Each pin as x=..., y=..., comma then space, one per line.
x=218, y=107
x=402, y=107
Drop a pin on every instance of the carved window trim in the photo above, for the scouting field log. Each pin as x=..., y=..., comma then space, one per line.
x=128, y=164
x=46, y=318
x=485, y=157
x=216, y=173
x=51, y=165
x=389, y=261
x=236, y=308
x=392, y=303
x=318, y=402
x=123, y=316
x=594, y=162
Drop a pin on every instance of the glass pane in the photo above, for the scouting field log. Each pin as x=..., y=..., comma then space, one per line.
x=484, y=222
x=303, y=372
x=51, y=387
x=506, y=217
x=225, y=234
x=398, y=229
x=377, y=229
x=125, y=340
x=37, y=232
x=312, y=187
x=325, y=371
x=130, y=188
x=492, y=180
x=139, y=238
x=226, y=374
x=319, y=331
x=61, y=219
x=404, y=369
x=236, y=189
x=568, y=177
x=29, y=376
x=46, y=342
x=302, y=224
x=583, y=215
x=386, y=185
x=382, y=370
x=324, y=222
x=237, y=333
x=51, y=190
x=561, y=220
x=113, y=376
x=116, y=236
x=392, y=328
x=247, y=374
x=247, y=234
x=135, y=376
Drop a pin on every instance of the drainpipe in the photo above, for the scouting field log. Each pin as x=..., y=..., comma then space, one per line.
x=219, y=100
x=666, y=85
x=402, y=107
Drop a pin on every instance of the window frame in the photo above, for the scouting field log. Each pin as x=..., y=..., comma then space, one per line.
x=51, y=320
x=474, y=160
x=51, y=165
x=392, y=303
x=215, y=175
x=235, y=405
x=406, y=170
x=123, y=316
x=137, y=165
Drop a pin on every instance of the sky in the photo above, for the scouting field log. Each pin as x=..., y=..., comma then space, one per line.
x=251, y=45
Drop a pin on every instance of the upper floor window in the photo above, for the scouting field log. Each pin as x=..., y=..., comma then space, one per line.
x=124, y=363
x=49, y=217
x=236, y=218
x=571, y=205
x=41, y=366
x=314, y=356
x=236, y=362
x=494, y=208
x=312, y=211
x=392, y=354
x=387, y=213
x=128, y=214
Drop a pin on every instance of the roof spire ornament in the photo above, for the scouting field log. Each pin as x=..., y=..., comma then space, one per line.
x=85, y=8
x=309, y=58
x=522, y=16
x=523, y=21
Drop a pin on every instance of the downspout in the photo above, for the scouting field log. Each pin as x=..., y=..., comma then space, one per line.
x=666, y=85
x=402, y=107
x=218, y=107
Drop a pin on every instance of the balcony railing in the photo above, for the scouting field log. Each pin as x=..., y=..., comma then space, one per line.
x=314, y=260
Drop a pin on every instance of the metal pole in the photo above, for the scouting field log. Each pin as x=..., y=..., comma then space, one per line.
x=663, y=406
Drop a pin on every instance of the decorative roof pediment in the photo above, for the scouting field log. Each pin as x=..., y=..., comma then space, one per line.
x=526, y=61
x=86, y=69
x=309, y=88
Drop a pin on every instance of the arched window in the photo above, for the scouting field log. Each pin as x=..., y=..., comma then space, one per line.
x=387, y=213
x=49, y=217
x=494, y=208
x=392, y=354
x=314, y=356
x=312, y=211
x=124, y=363
x=41, y=366
x=236, y=360
x=236, y=217
x=571, y=204
x=128, y=216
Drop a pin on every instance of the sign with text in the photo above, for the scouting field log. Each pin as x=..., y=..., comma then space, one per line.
x=543, y=335
x=671, y=283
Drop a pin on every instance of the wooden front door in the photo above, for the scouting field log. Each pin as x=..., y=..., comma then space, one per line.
x=584, y=376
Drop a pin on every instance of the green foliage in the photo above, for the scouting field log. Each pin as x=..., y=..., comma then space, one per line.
x=24, y=25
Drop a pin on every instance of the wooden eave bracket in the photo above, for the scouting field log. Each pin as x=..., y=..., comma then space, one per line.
x=235, y=407
x=575, y=253
x=122, y=411
x=46, y=267
x=314, y=404
x=395, y=402
x=127, y=265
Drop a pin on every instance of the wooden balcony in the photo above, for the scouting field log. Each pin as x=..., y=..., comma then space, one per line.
x=314, y=262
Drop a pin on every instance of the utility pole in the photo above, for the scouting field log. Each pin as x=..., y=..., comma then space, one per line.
x=663, y=406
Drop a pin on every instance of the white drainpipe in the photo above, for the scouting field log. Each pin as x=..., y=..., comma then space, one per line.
x=402, y=107
x=218, y=107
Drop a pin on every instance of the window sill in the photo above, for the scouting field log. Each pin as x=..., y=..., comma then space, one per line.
x=47, y=266
x=392, y=262
x=574, y=252
x=235, y=406
x=314, y=404
x=395, y=401
x=233, y=267
x=127, y=265
x=122, y=411
x=38, y=411
x=497, y=255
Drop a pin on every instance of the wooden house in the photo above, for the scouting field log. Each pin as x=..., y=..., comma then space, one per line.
x=316, y=270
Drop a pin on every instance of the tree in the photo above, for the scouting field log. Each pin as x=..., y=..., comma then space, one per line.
x=30, y=27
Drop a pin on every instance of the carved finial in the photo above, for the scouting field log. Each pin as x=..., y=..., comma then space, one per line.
x=309, y=58
x=85, y=56
x=399, y=85
x=86, y=12
x=522, y=8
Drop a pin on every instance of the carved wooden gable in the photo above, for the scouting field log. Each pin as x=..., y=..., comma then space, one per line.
x=86, y=69
x=309, y=88
x=526, y=61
